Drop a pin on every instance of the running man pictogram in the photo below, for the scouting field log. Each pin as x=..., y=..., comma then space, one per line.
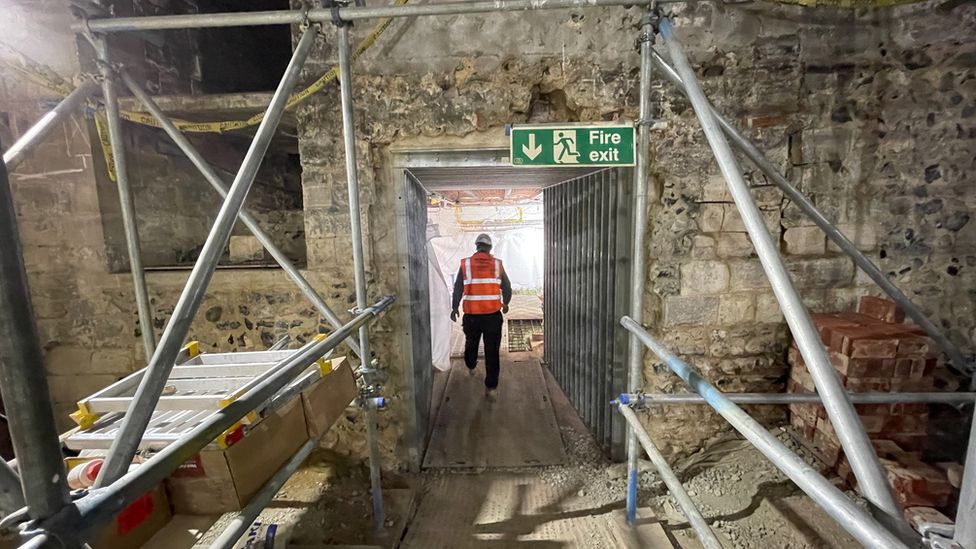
x=567, y=144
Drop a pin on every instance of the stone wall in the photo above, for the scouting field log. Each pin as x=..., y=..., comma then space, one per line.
x=176, y=206
x=868, y=112
x=85, y=313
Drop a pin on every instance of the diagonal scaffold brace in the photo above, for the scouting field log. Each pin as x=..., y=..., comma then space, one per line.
x=162, y=361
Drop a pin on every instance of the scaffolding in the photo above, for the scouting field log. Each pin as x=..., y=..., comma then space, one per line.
x=51, y=517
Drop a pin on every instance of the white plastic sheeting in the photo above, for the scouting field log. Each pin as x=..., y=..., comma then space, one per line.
x=440, y=310
x=517, y=235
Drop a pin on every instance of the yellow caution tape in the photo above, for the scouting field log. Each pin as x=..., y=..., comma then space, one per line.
x=105, y=143
x=294, y=100
x=47, y=78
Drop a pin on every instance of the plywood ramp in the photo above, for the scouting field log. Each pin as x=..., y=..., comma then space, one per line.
x=518, y=429
x=499, y=510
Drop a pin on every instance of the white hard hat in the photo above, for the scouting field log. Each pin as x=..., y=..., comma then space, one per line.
x=483, y=239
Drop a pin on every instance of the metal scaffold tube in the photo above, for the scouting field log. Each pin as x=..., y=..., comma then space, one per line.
x=245, y=216
x=848, y=515
x=965, y=533
x=635, y=377
x=809, y=398
x=351, y=13
x=833, y=233
x=79, y=518
x=11, y=492
x=19, y=150
x=147, y=395
x=691, y=512
x=359, y=263
x=23, y=380
x=126, y=199
x=242, y=520
x=850, y=432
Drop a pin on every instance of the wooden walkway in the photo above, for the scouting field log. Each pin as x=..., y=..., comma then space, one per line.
x=516, y=430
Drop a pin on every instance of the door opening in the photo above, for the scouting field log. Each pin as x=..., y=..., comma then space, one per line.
x=448, y=198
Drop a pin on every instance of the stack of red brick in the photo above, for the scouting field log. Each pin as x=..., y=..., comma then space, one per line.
x=872, y=350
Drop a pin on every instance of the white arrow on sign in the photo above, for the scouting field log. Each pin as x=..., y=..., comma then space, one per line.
x=532, y=150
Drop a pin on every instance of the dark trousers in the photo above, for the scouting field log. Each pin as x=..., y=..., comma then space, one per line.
x=489, y=326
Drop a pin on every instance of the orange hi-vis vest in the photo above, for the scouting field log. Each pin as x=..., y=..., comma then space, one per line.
x=482, y=276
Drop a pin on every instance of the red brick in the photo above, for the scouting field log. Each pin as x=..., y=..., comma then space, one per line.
x=906, y=424
x=826, y=323
x=827, y=448
x=918, y=483
x=919, y=515
x=845, y=472
x=909, y=486
x=873, y=409
x=807, y=412
x=874, y=424
x=841, y=363
x=793, y=357
x=910, y=443
x=881, y=309
x=903, y=367
x=866, y=385
x=913, y=346
x=801, y=377
x=823, y=424
x=874, y=348
x=870, y=367
x=802, y=428
x=837, y=319
x=911, y=409
x=887, y=449
x=912, y=385
x=923, y=367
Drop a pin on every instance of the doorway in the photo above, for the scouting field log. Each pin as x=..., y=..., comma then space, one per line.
x=453, y=195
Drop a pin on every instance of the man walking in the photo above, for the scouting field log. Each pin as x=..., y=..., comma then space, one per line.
x=485, y=290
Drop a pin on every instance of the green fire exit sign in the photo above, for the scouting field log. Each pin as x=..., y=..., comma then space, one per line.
x=573, y=145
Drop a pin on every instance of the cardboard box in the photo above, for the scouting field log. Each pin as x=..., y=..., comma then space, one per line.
x=136, y=524
x=223, y=481
x=326, y=399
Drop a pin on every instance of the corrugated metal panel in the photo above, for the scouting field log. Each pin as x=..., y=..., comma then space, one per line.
x=415, y=304
x=587, y=285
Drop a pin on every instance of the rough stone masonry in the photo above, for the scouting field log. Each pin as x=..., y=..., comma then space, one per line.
x=870, y=112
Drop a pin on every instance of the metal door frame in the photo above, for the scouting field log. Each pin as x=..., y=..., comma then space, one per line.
x=418, y=389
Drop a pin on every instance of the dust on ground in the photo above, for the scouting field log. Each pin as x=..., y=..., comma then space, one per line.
x=326, y=502
x=748, y=502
